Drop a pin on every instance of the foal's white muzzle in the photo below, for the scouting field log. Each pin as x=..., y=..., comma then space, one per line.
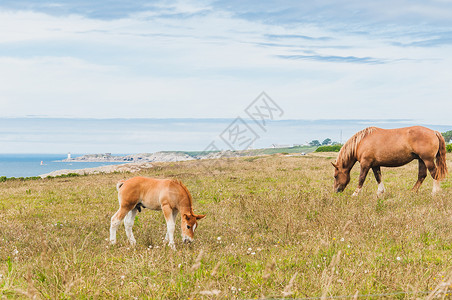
x=187, y=239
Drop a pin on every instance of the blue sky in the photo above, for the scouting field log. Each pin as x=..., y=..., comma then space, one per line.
x=209, y=59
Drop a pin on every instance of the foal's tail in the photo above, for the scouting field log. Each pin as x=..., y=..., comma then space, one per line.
x=441, y=171
x=119, y=184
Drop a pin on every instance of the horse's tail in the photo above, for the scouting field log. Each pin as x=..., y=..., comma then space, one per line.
x=441, y=171
x=119, y=184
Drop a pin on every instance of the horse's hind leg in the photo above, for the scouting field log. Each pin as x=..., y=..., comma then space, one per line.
x=421, y=176
x=381, y=187
x=128, y=224
x=116, y=221
x=432, y=169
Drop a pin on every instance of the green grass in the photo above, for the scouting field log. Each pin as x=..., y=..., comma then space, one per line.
x=271, y=220
x=329, y=148
x=264, y=151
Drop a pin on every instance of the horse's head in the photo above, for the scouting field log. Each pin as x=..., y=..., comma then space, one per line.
x=189, y=224
x=341, y=177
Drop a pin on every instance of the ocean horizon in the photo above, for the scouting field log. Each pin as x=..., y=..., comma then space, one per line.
x=29, y=165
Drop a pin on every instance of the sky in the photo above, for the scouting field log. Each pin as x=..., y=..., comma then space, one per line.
x=210, y=59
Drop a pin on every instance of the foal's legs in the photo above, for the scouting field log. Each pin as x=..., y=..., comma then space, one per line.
x=116, y=221
x=170, y=225
x=174, y=219
x=128, y=224
x=421, y=176
x=381, y=187
x=362, y=177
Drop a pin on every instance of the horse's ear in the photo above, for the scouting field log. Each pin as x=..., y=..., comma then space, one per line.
x=334, y=165
x=199, y=217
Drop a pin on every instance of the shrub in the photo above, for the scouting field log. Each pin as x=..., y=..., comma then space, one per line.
x=331, y=148
x=449, y=148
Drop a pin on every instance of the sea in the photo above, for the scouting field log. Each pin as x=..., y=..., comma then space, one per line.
x=29, y=165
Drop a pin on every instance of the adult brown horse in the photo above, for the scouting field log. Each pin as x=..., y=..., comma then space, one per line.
x=375, y=147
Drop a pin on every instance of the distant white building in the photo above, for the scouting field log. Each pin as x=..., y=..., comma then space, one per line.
x=280, y=146
x=69, y=155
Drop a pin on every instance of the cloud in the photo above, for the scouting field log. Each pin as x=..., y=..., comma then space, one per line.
x=205, y=59
x=298, y=36
x=343, y=59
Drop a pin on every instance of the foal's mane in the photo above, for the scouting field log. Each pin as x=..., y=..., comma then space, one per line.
x=190, y=199
x=348, y=151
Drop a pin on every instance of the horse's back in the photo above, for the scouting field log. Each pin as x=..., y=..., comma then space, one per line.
x=396, y=147
x=152, y=192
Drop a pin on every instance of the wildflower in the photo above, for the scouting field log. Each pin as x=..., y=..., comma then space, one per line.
x=219, y=238
x=15, y=252
x=123, y=276
x=253, y=253
x=249, y=249
x=210, y=293
x=398, y=258
x=342, y=239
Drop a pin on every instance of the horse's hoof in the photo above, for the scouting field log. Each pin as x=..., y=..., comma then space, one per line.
x=112, y=242
x=380, y=194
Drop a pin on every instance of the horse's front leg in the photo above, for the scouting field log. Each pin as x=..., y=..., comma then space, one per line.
x=362, y=177
x=381, y=187
x=170, y=225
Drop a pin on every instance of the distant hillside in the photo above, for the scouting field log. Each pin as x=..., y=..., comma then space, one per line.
x=167, y=156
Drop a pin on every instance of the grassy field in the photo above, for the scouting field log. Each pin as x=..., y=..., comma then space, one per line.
x=273, y=229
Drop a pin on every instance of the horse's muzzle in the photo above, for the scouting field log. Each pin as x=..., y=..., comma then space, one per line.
x=187, y=240
x=339, y=189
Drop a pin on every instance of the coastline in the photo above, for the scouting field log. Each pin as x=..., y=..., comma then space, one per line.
x=137, y=162
x=122, y=168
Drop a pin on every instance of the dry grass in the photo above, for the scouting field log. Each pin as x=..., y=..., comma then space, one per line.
x=273, y=228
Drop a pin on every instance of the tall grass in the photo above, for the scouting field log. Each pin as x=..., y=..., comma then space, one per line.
x=273, y=228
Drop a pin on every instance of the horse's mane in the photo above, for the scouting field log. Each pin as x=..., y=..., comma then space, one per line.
x=349, y=149
x=190, y=199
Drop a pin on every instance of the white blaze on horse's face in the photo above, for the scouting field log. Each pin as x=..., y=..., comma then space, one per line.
x=341, y=178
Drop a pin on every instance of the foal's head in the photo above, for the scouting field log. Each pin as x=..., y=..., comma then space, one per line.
x=341, y=177
x=189, y=224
